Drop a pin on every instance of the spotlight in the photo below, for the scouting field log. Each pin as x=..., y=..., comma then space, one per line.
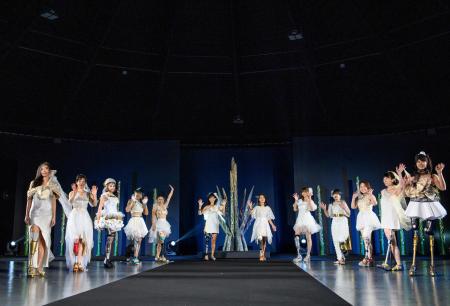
x=49, y=14
x=172, y=243
x=303, y=241
x=171, y=248
x=295, y=35
x=12, y=244
x=12, y=248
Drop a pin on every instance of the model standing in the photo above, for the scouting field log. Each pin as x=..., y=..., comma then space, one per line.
x=366, y=220
x=423, y=190
x=339, y=212
x=393, y=217
x=109, y=217
x=136, y=228
x=211, y=212
x=264, y=217
x=40, y=216
x=79, y=231
x=305, y=222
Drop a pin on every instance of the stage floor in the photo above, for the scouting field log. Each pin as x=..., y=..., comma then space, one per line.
x=16, y=289
x=374, y=286
x=356, y=285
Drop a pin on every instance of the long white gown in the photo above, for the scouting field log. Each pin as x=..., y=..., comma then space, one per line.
x=261, y=227
x=41, y=216
x=79, y=225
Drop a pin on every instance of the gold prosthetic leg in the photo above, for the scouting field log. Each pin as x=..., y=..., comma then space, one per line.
x=432, y=272
x=412, y=269
x=33, y=249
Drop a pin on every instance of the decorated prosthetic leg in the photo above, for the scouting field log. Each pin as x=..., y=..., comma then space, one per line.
x=412, y=269
x=367, y=261
x=429, y=230
x=162, y=239
x=261, y=251
x=207, y=239
x=76, y=247
x=297, y=246
x=137, y=247
x=109, y=242
x=34, y=237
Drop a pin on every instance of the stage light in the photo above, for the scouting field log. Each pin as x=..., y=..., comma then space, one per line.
x=342, y=65
x=12, y=244
x=49, y=14
x=172, y=243
x=12, y=248
x=303, y=241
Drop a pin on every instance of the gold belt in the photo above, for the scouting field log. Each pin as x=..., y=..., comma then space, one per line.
x=136, y=214
x=338, y=215
x=115, y=218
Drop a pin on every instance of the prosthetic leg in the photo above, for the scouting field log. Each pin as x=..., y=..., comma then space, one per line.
x=386, y=264
x=162, y=239
x=107, y=263
x=76, y=246
x=34, y=236
x=297, y=246
x=261, y=249
x=430, y=232
x=412, y=269
x=136, y=246
x=207, y=238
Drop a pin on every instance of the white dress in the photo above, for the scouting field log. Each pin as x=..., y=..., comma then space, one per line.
x=211, y=216
x=111, y=219
x=392, y=213
x=261, y=227
x=162, y=225
x=305, y=221
x=366, y=220
x=424, y=200
x=136, y=228
x=79, y=225
x=41, y=216
x=339, y=223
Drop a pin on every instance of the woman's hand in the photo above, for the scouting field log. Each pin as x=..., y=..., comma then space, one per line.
x=53, y=222
x=94, y=191
x=296, y=196
x=200, y=203
x=74, y=187
x=274, y=228
x=27, y=220
x=145, y=200
x=400, y=168
x=439, y=168
x=323, y=205
x=250, y=205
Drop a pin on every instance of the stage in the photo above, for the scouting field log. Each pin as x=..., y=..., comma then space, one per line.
x=189, y=281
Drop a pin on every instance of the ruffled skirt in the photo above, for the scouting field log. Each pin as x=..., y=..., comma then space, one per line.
x=367, y=220
x=113, y=222
x=261, y=228
x=161, y=226
x=136, y=228
x=425, y=210
x=306, y=223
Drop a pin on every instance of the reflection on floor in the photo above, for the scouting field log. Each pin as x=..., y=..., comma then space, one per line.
x=17, y=289
x=374, y=287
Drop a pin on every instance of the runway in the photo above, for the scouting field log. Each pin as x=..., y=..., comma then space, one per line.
x=189, y=281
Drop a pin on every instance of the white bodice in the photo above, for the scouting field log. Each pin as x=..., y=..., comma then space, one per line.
x=263, y=212
x=110, y=205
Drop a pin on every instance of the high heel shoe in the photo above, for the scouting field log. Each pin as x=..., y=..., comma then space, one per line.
x=41, y=273
x=75, y=267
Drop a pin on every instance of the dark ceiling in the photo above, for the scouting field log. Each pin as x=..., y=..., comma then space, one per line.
x=174, y=69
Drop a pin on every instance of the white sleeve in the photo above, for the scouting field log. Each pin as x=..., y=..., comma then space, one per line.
x=270, y=214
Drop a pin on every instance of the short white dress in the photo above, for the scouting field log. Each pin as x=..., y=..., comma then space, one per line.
x=212, y=222
x=339, y=222
x=261, y=227
x=305, y=221
x=111, y=219
x=162, y=225
x=424, y=203
x=392, y=213
x=366, y=218
x=136, y=228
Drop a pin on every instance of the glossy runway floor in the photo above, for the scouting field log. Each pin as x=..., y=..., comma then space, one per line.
x=18, y=290
x=375, y=287
x=356, y=285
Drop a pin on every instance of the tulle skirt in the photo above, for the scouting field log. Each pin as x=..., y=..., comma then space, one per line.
x=339, y=229
x=425, y=210
x=136, y=228
x=44, y=224
x=112, y=222
x=367, y=220
x=306, y=223
x=261, y=228
x=161, y=226
x=79, y=226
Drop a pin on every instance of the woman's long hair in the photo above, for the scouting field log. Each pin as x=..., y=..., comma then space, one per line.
x=39, y=179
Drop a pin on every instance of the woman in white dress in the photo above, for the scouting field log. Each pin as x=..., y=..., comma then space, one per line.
x=424, y=204
x=211, y=212
x=136, y=228
x=40, y=216
x=305, y=223
x=339, y=212
x=109, y=217
x=161, y=228
x=264, y=217
x=366, y=220
x=79, y=231
x=393, y=217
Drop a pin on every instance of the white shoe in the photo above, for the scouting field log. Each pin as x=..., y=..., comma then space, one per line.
x=298, y=259
x=307, y=258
